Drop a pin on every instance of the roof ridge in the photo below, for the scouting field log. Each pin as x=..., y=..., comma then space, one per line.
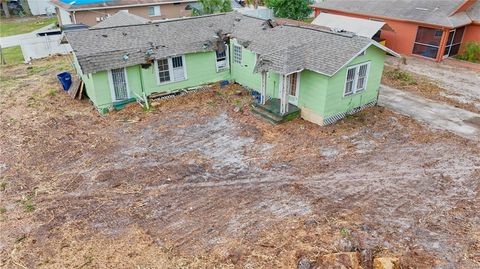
x=164, y=21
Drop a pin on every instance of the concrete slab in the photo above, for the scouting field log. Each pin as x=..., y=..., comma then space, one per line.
x=437, y=115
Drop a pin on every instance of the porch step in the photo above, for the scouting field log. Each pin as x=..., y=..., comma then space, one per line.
x=264, y=113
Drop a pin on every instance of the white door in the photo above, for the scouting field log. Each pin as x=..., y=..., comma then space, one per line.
x=119, y=85
x=293, y=89
x=178, y=68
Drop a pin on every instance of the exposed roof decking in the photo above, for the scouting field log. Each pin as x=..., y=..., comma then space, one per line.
x=435, y=12
x=283, y=48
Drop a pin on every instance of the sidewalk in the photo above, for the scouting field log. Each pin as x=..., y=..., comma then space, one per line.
x=438, y=115
x=16, y=40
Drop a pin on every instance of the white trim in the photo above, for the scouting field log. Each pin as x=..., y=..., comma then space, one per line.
x=227, y=60
x=297, y=90
x=355, y=79
x=112, y=89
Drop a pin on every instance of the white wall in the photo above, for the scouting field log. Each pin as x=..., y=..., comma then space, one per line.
x=37, y=47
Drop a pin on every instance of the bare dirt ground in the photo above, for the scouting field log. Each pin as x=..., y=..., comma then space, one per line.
x=194, y=184
x=438, y=81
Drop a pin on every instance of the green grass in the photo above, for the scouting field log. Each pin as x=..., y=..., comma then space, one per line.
x=10, y=27
x=12, y=55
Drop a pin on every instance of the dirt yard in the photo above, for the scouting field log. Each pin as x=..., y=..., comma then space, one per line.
x=194, y=184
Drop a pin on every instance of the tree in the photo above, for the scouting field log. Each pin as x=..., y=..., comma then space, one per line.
x=213, y=6
x=291, y=9
x=5, y=8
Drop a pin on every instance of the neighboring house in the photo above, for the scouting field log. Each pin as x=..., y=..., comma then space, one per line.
x=325, y=75
x=91, y=12
x=433, y=29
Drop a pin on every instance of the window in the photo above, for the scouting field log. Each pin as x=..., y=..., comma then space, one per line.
x=357, y=77
x=222, y=59
x=427, y=42
x=171, y=69
x=163, y=71
x=154, y=11
x=237, y=54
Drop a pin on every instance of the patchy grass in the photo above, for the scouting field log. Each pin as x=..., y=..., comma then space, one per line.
x=9, y=27
x=3, y=186
x=12, y=55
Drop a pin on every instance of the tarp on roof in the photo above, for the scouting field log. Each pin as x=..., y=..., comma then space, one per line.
x=84, y=2
x=361, y=27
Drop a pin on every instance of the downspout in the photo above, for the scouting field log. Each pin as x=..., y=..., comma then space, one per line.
x=74, y=18
x=142, y=87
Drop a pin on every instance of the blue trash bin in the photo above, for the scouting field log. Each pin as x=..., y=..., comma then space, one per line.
x=65, y=79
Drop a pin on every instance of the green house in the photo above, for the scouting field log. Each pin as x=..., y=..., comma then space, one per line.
x=304, y=70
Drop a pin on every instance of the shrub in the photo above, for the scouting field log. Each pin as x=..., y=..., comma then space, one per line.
x=471, y=52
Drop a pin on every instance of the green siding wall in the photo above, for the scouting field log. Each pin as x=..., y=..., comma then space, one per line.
x=313, y=88
x=336, y=102
x=244, y=73
x=200, y=69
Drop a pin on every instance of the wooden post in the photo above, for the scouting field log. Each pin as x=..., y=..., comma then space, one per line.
x=264, y=87
x=283, y=96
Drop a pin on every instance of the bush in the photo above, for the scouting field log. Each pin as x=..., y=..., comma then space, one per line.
x=471, y=52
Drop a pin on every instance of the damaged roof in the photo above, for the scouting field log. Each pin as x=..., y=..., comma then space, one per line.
x=283, y=49
x=435, y=12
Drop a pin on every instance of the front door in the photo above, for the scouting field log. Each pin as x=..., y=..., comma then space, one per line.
x=448, y=47
x=293, y=82
x=119, y=84
x=178, y=70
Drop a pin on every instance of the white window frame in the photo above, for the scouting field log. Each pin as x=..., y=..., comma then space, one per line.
x=227, y=61
x=112, y=89
x=241, y=54
x=356, y=78
x=170, y=70
x=157, y=11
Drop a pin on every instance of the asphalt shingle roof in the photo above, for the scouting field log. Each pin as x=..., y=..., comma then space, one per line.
x=282, y=49
x=436, y=12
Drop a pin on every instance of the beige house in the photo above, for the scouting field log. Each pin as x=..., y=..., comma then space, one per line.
x=91, y=12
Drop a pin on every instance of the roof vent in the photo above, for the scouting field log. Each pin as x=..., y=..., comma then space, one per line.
x=422, y=9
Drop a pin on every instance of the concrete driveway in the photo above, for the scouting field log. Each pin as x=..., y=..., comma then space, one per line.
x=437, y=115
